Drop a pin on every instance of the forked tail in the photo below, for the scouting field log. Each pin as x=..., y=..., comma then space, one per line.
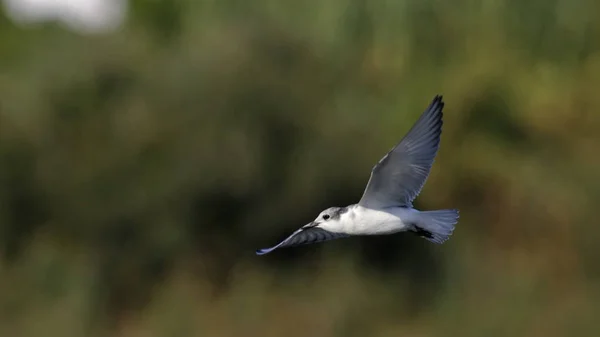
x=436, y=226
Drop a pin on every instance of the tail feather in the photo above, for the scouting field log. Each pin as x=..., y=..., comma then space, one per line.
x=437, y=226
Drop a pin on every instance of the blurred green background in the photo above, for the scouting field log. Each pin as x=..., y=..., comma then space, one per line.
x=141, y=168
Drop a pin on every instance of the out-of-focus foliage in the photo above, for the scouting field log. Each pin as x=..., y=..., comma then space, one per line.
x=140, y=170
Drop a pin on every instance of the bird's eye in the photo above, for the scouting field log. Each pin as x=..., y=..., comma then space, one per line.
x=325, y=216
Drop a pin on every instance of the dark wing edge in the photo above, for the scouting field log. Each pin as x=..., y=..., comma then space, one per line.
x=304, y=236
x=420, y=146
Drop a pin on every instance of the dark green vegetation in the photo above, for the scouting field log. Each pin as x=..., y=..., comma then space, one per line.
x=140, y=170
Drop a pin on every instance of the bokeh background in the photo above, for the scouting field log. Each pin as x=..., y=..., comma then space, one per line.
x=148, y=148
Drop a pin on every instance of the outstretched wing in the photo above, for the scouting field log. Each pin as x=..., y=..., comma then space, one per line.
x=303, y=236
x=400, y=175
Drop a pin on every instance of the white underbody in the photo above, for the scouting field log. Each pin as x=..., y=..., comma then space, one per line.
x=359, y=220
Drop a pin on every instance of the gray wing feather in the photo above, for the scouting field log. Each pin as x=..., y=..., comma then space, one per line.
x=303, y=236
x=399, y=176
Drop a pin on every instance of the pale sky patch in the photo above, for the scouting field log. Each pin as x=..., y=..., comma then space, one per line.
x=84, y=16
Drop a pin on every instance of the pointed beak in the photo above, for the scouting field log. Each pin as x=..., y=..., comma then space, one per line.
x=310, y=225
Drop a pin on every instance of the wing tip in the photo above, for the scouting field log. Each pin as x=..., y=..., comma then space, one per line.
x=263, y=251
x=437, y=103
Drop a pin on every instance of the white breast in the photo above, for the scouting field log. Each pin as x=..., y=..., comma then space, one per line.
x=365, y=221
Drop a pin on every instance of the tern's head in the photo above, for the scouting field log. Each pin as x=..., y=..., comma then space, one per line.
x=329, y=219
x=329, y=216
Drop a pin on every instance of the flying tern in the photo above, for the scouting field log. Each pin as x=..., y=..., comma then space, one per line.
x=386, y=204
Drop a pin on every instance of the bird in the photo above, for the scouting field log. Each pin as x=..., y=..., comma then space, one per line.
x=386, y=206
